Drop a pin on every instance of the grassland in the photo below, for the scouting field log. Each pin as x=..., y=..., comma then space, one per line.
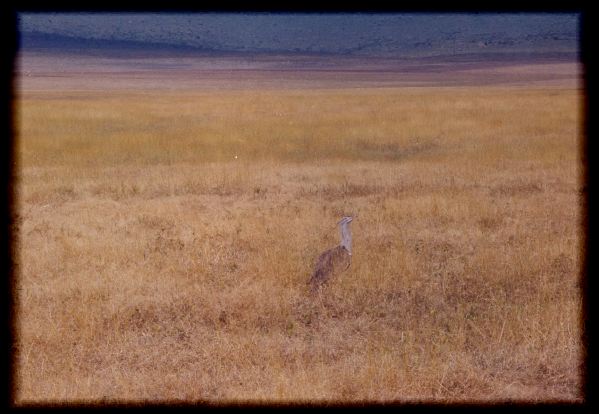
x=154, y=265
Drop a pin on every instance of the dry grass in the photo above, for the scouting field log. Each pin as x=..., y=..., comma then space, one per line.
x=154, y=265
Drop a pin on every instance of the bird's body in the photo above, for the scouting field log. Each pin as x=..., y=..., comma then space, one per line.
x=335, y=260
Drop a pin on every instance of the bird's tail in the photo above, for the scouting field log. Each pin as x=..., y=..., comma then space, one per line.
x=315, y=281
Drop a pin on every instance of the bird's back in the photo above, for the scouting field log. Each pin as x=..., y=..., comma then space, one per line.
x=329, y=263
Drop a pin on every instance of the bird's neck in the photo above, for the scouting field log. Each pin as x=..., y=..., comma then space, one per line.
x=346, y=237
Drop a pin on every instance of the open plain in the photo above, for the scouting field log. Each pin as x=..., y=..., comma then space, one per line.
x=170, y=212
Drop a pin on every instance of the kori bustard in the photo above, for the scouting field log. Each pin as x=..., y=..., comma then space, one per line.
x=335, y=260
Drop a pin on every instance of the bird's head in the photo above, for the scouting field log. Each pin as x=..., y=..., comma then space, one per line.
x=346, y=219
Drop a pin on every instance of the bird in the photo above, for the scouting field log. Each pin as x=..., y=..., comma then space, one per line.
x=335, y=260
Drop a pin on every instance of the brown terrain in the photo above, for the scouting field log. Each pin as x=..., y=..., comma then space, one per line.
x=42, y=72
x=170, y=211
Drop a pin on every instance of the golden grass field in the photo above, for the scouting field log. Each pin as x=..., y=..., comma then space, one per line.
x=153, y=265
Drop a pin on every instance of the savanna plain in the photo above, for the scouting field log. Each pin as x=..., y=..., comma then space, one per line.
x=165, y=238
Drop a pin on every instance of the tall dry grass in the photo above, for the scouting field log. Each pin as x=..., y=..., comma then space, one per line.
x=154, y=265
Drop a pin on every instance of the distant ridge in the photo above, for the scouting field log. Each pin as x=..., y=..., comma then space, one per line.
x=50, y=42
x=376, y=35
x=40, y=42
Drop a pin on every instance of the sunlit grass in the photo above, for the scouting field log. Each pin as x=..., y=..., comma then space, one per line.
x=155, y=265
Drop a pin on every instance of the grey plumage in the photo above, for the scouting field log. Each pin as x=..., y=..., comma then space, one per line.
x=335, y=260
